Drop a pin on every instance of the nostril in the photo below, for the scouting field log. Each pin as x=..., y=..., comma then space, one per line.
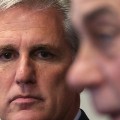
x=29, y=81
x=25, y=79
x=25, y=75
x=25, y=86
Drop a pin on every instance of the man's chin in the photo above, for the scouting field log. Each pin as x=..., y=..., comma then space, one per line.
x=25, y=115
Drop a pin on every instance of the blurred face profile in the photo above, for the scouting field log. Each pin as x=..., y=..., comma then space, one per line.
x=97, y=65
x=33, y=65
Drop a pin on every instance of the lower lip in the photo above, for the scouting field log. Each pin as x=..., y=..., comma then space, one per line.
x=25, y=100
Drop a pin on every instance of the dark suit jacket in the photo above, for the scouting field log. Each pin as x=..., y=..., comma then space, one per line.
x=83, y=116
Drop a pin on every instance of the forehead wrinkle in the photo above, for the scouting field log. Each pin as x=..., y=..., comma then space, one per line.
x=22, y=27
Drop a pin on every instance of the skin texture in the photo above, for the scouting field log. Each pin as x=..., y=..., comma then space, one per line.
x=34, y=58
x=97, y=64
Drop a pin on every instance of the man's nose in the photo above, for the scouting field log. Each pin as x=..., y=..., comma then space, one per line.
x=25, y=73
x=85, y=71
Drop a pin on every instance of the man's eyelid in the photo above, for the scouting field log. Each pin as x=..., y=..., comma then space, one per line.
x=105, y=28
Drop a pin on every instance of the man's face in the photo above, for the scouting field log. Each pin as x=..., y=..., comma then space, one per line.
x=97, y=65
x=34, y=57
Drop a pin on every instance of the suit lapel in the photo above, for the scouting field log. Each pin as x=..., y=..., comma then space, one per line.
x=83, y=116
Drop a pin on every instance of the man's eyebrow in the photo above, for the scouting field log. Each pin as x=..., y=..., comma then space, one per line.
x=44, y=47
x=98, y=12
x=7, y=47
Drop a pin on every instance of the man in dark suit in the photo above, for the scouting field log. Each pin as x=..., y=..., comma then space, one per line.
x=35, y=54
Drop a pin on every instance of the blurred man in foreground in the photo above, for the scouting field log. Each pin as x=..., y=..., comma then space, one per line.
x=97, y=65
x=35, y=53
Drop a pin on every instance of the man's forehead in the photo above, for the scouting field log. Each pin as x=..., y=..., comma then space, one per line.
x=82, y=9
x=86, y=6
x=94, y=1
x=24, y=19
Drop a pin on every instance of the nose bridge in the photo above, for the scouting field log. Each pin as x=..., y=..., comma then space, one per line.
x=24, y=71
x=86, y=51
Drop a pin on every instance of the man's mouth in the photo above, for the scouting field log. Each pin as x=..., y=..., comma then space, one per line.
x=20, y=99
x=27, y=102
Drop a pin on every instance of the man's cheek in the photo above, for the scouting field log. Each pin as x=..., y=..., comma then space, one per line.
x=115, y=76
x=112, y=74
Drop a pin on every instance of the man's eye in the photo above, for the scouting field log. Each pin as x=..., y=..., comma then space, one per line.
x=103, y=40
x=105, y=37
x=7, y=55
x=105, y=34
x=43, y=55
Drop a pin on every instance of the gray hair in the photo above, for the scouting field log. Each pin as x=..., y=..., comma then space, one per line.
x=61, y=5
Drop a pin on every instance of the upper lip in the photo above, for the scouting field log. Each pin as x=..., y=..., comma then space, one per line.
x=25, y=97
